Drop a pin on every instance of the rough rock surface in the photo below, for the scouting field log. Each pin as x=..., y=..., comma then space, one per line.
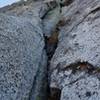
x=86, y=88
x=29, y=10
x=22, y=22
x=21, y=53
x=73, y=69
x=78, y=48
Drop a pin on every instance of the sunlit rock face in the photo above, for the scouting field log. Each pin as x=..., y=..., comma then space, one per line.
x=78, y=52
x=50, y=50
x=21, y=53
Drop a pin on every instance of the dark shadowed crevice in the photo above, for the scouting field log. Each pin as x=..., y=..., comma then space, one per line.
x=55, y=94
x=66, y=3
x=51, y=44
x=50, y=47
x=95, y=10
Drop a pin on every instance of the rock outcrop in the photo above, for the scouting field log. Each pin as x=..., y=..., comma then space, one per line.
x=23, y=60
x=50, y=50
x=75, y=64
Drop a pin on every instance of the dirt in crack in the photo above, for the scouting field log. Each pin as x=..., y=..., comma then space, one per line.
x=54, y=94
x=50, y=46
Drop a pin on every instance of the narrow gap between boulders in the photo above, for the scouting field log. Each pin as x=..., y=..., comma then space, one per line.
x=50, y=47
x=55, y=94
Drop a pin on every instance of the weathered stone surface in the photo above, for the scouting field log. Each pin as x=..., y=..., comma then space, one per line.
x=21, y=53
x=86, y=88
x=79, y=41
x=28, y=9
x=75, y=66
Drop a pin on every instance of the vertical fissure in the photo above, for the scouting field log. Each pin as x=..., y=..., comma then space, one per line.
x=50, y=47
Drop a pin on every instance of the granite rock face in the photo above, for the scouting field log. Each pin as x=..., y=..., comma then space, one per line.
x=77, y=56
x=29, y=34
x=23, y=56
x=86, y=88
x=21, y=53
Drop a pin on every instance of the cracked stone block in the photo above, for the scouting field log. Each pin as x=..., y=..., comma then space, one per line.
x=21, y=53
